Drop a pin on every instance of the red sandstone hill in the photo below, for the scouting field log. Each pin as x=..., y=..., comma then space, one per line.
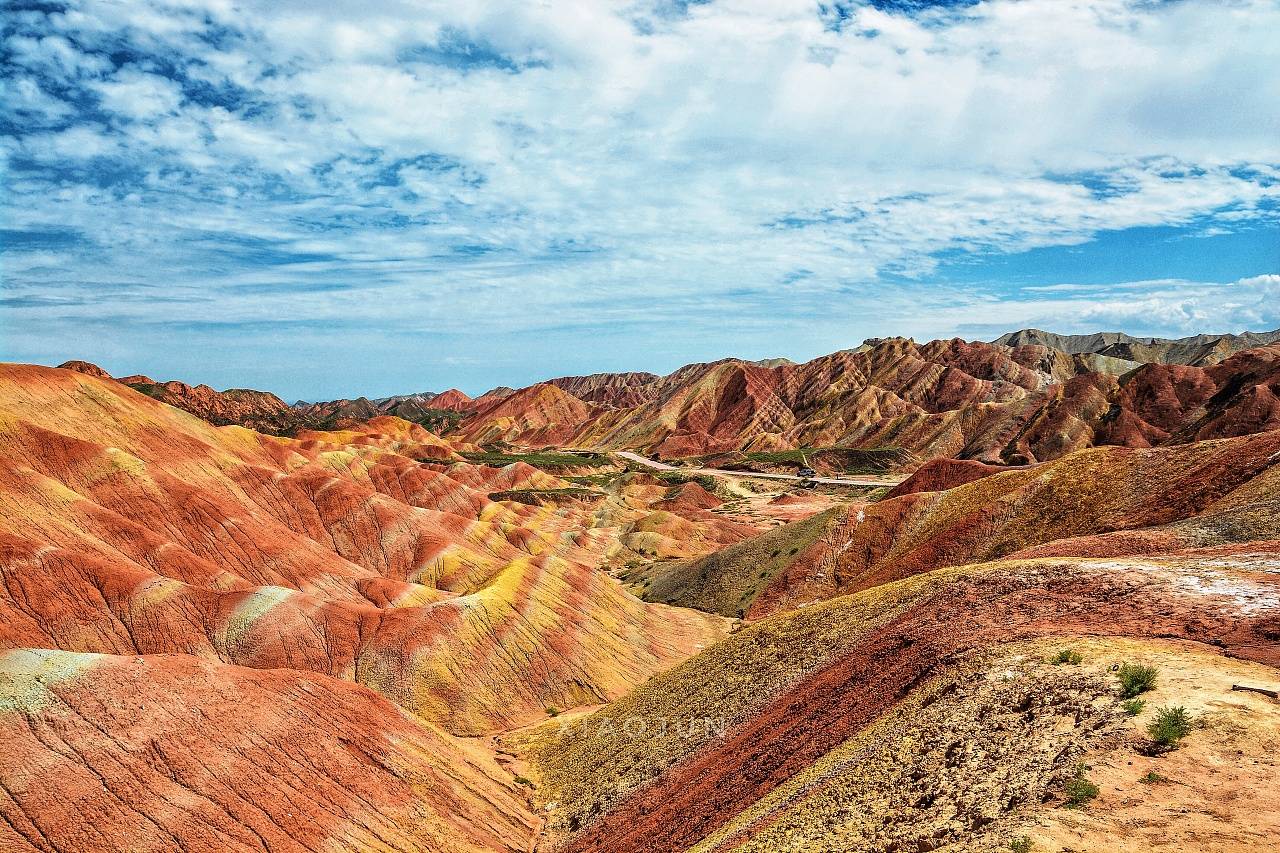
x=258, y=410
x=953, y=399
x=251, y=640
x=215, y=639
x=1097, y=502
x=899, y=685
x=538, y=416
x=615, y=390
x=452, y=400
x=267, y=413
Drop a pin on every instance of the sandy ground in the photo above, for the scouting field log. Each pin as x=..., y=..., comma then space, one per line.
x=775, y=508
x=1222, y=794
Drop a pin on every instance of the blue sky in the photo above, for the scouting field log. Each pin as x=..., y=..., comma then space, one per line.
x=331, y=199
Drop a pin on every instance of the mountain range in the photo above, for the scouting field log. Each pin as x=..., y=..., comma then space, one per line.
x=342, y=630
x=1029, y=396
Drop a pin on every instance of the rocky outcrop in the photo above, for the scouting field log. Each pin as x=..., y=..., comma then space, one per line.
x=1199, y=350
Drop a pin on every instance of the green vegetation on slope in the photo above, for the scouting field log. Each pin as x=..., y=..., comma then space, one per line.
x=728, y=581
x=545, y=459
x=845, y=460
x=438, y=421
x=545, y=496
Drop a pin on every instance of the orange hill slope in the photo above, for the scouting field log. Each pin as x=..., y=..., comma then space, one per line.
x=950, y=398
x=127, y=526
x=1093, y=502
x=169, y=752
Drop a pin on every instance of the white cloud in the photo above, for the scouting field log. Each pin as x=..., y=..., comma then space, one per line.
x=691, y=164
x=139, y=96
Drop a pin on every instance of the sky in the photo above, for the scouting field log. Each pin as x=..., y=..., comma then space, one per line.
x=326, y=199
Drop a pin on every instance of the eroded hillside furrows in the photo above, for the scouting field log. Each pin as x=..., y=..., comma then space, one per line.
x=334, y=554
x=958, y=611
x=951, y=398
x=105, y=752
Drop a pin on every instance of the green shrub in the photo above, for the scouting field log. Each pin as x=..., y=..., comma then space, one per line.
x=553, y=712
x=1133, y=707
x=1172, y=724
x=1079, y=789
x=1136, y=678
x=520, y=780
x=1070, y=656
x=1021, y=844
x=1153, y=778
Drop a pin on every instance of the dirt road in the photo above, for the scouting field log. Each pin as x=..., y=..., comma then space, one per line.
x=721, y=472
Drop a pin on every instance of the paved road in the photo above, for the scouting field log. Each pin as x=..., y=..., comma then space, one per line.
x=721, y=472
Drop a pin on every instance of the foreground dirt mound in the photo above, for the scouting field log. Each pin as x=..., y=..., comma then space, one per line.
x=1214, y=792
x=757, y=709
x=952, y=764
x=105, y=752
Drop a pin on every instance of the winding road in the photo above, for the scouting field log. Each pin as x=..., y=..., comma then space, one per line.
x=722, y=472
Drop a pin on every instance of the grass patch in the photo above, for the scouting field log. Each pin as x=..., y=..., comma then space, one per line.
x=1133, y=707
x=1067, y=656
x=1136, y=678
x=439, y=421
x=1172, y=724
x=545, y=459
x=846, y=460
x=599, y=480
x=727, y=581
x=1079, y=790
x=539, y=496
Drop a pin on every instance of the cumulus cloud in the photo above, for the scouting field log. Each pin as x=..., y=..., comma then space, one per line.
x=426, y=168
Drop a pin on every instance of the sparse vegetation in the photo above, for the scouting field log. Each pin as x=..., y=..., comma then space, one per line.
x=1133, y=707
x=439, y=421
x=1153, y=778
x=553, y=712
x=1136, y=678
x=727, y=581
x=1021, y=844
x=1172, y=724
x=1079, y=790
x=846, y=460
x=550, y=460
x=521, y=780
x=1067, y=656
x=537, y=496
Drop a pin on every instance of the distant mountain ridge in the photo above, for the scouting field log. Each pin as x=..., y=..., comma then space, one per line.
x=1197, y=350
x=1028, y=396
x=999, y=403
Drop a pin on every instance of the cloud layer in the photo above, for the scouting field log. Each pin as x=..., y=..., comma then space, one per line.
x=432, y=193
